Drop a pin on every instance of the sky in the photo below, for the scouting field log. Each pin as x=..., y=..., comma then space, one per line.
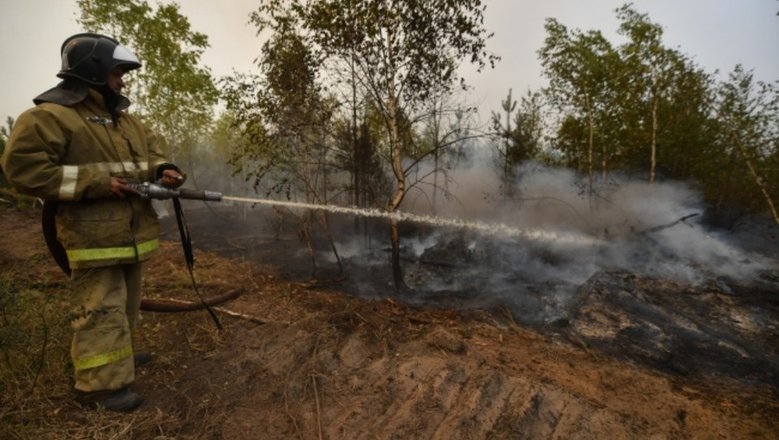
x=716, y=34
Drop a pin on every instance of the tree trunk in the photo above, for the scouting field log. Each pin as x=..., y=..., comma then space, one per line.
x=436, y=156
x=394, y=203
x=397, y=271
x=356, y=165
x=397, y=165
x=653, y=160
x=756, y=177
x=329, y=233
x=591, y=143
x=306, y=232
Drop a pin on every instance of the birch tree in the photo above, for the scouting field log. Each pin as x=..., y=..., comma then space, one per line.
x=403, y=53
x=580, y=67
x=749, y=112
x=288, y=122
x=650, y=73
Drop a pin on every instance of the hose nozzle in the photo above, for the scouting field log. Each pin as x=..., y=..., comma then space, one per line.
x=148, y=190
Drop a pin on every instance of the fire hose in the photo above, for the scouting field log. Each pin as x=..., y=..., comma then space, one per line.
x=172, y=306
x=148, y=190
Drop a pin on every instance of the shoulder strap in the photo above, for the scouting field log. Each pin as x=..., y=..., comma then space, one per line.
x=189, y=256
x=49, y=227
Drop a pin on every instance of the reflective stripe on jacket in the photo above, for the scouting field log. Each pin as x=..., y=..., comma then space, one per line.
x=69, y=153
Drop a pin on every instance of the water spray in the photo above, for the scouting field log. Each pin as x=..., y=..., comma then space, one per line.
x=149, y=190
x=498, y=229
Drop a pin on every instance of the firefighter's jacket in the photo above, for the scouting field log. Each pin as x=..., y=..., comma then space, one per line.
x=68, y=153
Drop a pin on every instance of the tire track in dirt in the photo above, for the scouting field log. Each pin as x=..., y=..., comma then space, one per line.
x=370, y=370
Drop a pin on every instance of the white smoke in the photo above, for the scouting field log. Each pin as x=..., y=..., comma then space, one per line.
x=531, y=246
x=646, y=228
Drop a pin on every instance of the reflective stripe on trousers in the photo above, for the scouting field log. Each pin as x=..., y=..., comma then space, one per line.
x=101, y=359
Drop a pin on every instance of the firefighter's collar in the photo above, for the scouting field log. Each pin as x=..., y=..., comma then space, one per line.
x=70, y=92
x=67, y=93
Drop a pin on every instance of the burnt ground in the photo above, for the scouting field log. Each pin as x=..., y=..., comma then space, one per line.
x=621, y=355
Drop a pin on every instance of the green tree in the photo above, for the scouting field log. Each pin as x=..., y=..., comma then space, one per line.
x=403, y=53
x=171, y=92
x=661, y=105
x=506, y=144
x=686, y=134
x=648, y=72
x=288, y=122
x=520, y=142
x=581, y=67
x=650, y=108
x=571, y=141
x=749, y=114
x=652, y=75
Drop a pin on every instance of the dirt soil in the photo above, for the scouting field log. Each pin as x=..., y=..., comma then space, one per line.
x=302, y=359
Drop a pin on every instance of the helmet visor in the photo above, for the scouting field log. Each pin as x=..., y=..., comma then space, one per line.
x=125, y=59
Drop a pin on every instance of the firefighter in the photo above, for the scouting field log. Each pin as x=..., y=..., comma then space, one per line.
x=78, y=149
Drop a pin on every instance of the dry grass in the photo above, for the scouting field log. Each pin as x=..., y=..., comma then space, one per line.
x=36, y=399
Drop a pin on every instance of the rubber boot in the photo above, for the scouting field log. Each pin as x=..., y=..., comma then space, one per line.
x=123, y=400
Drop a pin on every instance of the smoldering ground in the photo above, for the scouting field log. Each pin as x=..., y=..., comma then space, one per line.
x=649, y=229
x=549, y=232
x=631, y=267
x=549, y=227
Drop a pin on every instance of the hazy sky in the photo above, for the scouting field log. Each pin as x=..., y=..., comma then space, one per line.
x=718, y=34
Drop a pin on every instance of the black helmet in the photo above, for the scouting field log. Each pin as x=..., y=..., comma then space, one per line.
x=89, y=57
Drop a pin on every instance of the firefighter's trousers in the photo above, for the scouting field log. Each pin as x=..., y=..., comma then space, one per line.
x=105, y=306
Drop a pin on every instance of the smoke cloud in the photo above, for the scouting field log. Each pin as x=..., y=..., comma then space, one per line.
x=476, y=243
x=652, y=229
